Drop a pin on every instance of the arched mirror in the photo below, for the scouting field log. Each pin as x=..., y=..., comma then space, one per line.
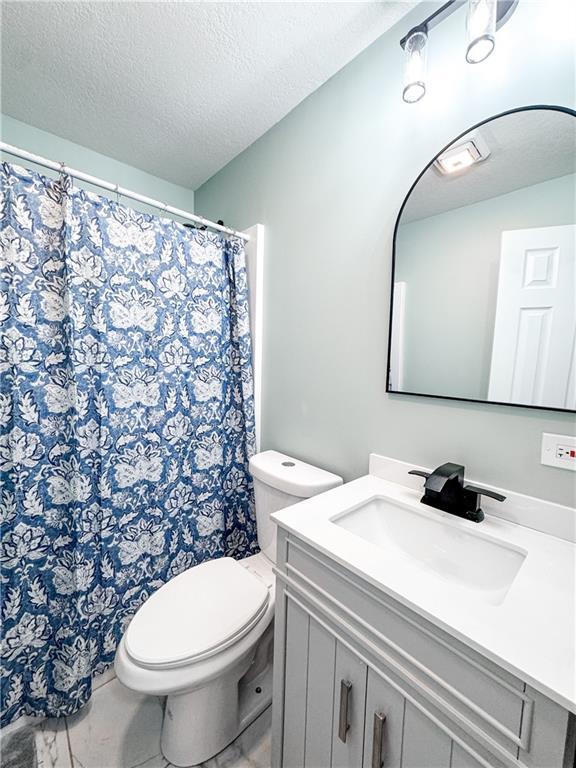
x=484, y=277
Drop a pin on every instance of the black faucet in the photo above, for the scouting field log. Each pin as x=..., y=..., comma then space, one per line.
x=444, y=489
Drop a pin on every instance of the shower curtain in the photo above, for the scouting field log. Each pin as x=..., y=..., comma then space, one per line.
x=127, y=420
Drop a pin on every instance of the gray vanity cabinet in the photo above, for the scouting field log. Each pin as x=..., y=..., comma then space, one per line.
x=423, y=743
x=461, y=759
x=340, y=714
x=362, y=682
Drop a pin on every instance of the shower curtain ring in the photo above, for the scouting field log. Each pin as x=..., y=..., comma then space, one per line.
x=63, y=176
x=117, y=194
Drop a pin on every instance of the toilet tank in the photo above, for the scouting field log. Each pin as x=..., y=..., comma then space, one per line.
x=280, y=481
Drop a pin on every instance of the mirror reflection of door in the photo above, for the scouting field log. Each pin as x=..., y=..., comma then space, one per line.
x=533, y=352
x=484, y=251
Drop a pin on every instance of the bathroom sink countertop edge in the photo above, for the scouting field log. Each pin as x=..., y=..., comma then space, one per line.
x=530, y=633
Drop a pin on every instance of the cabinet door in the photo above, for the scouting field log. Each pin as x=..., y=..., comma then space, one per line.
x=319, y=708
x=384, y=724
x=296, y=669
x=348, y=709
x=423, y=743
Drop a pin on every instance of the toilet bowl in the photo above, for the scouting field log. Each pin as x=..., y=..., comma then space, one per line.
x=204, y=639
x=203, y=711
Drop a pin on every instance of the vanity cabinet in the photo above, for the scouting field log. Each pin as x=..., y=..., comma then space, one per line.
x=363, y=682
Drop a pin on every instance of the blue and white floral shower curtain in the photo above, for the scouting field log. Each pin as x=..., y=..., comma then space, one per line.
x=126, y=416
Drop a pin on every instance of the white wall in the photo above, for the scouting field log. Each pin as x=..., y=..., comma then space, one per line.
x=327, y=183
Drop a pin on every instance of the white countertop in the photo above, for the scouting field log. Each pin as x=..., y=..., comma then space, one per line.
x=531, y=633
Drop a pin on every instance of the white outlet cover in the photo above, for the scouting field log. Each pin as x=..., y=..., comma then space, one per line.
x=559, y=451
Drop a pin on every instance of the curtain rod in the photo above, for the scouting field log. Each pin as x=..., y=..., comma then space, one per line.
x=62, y=168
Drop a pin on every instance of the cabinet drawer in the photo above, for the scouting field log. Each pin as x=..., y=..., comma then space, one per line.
x=479, y=697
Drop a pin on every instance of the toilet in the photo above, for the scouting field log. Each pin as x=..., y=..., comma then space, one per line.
x=204, y=639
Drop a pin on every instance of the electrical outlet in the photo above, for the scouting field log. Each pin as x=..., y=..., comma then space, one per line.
x=559, y=451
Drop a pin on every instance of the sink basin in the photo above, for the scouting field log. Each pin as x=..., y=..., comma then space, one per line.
x=469, y=560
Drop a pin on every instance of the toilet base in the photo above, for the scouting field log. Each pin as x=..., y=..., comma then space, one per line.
x=200, y=724
x=255, y=697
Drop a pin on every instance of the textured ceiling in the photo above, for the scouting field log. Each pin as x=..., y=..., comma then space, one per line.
x=175, y=88
x=526, y=148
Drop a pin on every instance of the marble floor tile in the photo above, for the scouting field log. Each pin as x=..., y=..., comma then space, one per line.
x=260, y=755
x=100, y=680
x=16, y=725
x=52, y=749
x=158, y=761
x=120, y=729
x=231, y=757
x=255, y=741
x=116, y=729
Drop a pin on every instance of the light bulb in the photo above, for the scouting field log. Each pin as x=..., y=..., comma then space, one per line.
x=415, y=68
x=481, y=29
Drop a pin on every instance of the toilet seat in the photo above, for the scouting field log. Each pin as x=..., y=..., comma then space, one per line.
x=227, y=599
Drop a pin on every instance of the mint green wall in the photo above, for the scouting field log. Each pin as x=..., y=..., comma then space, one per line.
x=55, y=148
x=327, y=182
x=450, y=265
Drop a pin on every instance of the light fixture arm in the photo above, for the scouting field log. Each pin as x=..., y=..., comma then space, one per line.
x=505, y=10
x=434, y=19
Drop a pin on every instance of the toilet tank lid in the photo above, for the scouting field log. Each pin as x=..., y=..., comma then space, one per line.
x=290, y=475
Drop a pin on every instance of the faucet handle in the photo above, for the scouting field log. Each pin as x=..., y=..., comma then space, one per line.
x=419, y=472
x=484, y=492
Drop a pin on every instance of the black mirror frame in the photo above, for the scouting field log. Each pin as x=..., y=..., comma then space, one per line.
x=531, y=107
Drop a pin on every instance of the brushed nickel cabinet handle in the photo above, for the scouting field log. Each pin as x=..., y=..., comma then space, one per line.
x=343, y=725
x=377, y=739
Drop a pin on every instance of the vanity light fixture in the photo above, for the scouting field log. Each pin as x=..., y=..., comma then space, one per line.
x=462, y=156
x=481, y=29
x=415, y=73
x=483, y=19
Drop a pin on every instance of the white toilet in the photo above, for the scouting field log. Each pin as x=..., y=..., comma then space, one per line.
x=204, y=639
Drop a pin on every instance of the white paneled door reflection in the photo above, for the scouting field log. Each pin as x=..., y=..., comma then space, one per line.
x=534, y=347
